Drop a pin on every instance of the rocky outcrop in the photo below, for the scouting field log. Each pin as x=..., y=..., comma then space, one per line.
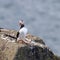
x=10, y=50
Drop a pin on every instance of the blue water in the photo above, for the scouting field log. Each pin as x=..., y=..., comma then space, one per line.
x=42, y=18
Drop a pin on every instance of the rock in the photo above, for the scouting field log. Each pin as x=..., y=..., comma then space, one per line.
x=20, y=51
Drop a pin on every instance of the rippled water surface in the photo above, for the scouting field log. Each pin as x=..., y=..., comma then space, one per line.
x=42, y=18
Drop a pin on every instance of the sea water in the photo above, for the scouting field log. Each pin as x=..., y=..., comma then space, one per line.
x=42, y=18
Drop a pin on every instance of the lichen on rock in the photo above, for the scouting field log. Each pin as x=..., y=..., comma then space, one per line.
x=21, y=51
